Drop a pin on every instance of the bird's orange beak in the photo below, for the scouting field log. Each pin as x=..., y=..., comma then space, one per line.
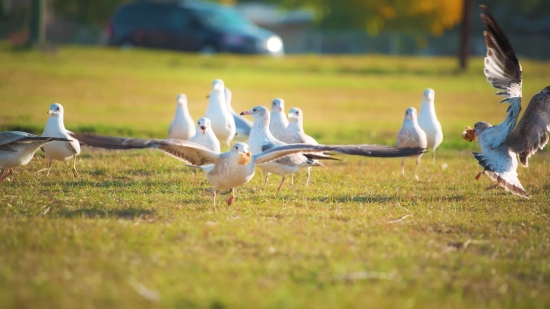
x=244, y=158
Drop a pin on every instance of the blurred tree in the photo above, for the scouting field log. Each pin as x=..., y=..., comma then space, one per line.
x=95, y=12
x=465, y=34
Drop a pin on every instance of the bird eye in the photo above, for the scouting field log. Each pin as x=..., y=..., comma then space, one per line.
x=57, y=108
x=254, y=110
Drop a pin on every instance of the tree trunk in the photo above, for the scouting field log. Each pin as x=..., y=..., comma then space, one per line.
x=36, y=27
x=465, y=34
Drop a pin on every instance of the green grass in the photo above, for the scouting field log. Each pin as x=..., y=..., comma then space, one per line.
x=134, y=230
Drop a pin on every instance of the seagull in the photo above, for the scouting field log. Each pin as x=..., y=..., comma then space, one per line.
x=502, y=144
x=261, y=140
x=206, y=137
x=235, y=167
x=17, y=148
x=295, y=134
x=182, y=126
x=411, y=135
x=242, y=124
x=223, y=123
x=427, y=120
x=58, y=150
x=278, y=122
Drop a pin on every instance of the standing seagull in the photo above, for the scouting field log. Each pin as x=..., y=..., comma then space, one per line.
x=242, y=124
x=501, y=144
x=58, y=150
x=223, y=123
x=295, y=135
x=182, y=126
x=278, y=122
x=237, y=166
x=17, y=148
x=205, y=137
x=411, y=135
x=428, y=121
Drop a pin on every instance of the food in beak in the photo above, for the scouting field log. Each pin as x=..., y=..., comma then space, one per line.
x=469, y=134
x=203, y=129
x=244, y=158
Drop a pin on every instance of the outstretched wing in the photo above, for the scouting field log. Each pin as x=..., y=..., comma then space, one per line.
x=186, y=151
x=275, y=153
x=503, y=71
x=501, y=166
x=531, y=133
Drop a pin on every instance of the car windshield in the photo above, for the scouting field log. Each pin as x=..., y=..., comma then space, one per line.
x=224, y=18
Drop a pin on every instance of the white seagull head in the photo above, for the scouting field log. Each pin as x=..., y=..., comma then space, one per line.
x=203, y=124
x=258, y=112
x=429, y=94
x=56, y=110
x=410, y=113
x=295, y=115
x=278, y=105
x=182, y=99
x=242, y=151
x=218, y=85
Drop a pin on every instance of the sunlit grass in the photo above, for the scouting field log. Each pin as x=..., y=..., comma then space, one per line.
x=135, y=230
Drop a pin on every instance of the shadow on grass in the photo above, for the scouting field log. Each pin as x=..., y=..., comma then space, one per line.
x=127, y=213
x=355, y=199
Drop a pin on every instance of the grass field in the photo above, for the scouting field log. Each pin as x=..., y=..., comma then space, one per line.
x=134, y=229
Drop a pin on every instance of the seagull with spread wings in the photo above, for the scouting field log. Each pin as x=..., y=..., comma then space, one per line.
x=500, y=144
x=235, y=167
x=17, y=148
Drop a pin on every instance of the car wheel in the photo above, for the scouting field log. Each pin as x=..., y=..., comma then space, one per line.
x=208, y=49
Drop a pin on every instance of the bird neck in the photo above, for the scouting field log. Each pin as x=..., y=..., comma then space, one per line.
x=217, y=100
x=56, y=121
x=261, y=127
x=295, y=126
x=280, y=115
x=427, y=107
x=181, y=112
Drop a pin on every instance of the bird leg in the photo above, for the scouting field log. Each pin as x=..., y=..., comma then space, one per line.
x=4, y=176
x=265, y=182
x=434, y=157
x=292, y=180
x=308, y=174
x=282, y=181
x=230, y=199
x=403, y=166
x=2, y=171
x=416, y=168
x=46, y=168
x=214, y=198
x=492, y=186
x=75, y=172
x=479, y=175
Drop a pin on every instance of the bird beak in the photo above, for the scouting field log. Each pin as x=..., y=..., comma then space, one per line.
x=245, y=113
x=49, y=112
x=469, y=134
x=244, y=157
x=203, y=129
x=207, y=96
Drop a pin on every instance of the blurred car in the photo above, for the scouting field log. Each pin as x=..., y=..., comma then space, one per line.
x=190, y=26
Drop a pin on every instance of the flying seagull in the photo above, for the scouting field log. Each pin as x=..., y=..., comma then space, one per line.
x=223, y=123
x=295, y=134
x=242, y=124
x=58, y=150
x=411, y=135
x=237, y=166
x=501, y=144
x=278, y=121
x=261, y=140
x=17, y=148
x=427, y=120
x=182, y=127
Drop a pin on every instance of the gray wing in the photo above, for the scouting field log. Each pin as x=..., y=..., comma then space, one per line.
x=365, y=150
x=531, y=132
x=243, y=125
x=186, y=151
x=18, y=137
x=500, y=165
x=503, y=71
x=292, y=159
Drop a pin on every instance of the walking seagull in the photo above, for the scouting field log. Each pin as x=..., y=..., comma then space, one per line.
x=236, y=166
x=206, y=138
x=182, y=127
x=411, y=135
x=427, y=120
x=501, y=144
x=17, y=148
x=242, y=124
x=295, y=134
x=58, y=150
x=223, y=123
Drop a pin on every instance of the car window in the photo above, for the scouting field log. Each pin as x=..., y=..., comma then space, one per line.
x=178, y=19
x=223, y=18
